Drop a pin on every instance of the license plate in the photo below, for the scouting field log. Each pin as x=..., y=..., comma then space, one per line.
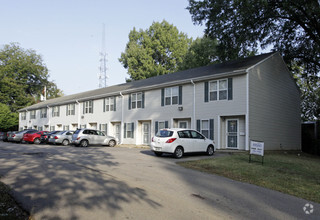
x=158, y=148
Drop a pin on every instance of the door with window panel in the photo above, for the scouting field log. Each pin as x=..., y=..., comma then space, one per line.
x=232, y=133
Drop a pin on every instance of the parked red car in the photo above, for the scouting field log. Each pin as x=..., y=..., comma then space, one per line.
x=34, y=137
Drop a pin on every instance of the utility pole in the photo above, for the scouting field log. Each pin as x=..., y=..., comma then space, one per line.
x=103, y=62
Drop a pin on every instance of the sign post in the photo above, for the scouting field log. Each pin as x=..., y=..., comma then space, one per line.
x=256, y=148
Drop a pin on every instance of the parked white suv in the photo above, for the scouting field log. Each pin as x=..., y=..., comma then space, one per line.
x=178, y=141
x=85, y=137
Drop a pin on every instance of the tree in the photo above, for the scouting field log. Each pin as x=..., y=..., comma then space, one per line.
x=202, y=52
x=290, y=27
x=8, y=120
x=23, y=76
x=155, y=51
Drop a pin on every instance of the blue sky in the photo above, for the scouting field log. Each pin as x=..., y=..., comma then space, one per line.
x=68, y=33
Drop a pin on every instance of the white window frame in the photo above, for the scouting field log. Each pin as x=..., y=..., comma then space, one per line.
x=71, y=109
x=136, y=100
x=33, y=114
x=23, y=115
x=171, y=95
x=129, y=132
x=109, y=104
x=43, y=113
x=218, y=90
x=55, y=111
x=204, y=130
x=88, y=107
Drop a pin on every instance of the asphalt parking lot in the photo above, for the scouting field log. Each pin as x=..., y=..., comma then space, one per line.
x=65, y=182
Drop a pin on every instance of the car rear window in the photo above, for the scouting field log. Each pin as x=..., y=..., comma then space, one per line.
x=164, y=133
x=77, y=131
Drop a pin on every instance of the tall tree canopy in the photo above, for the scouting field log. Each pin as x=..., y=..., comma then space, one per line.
x=202, y=52
x=243, y=26
x=23, y=76
x=8, y=120
x=155, y=51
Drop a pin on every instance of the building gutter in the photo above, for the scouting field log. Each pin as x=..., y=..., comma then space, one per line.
x=122, y=113
x=79, y=114
x=194, y=106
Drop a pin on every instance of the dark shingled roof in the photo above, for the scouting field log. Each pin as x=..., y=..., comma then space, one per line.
x=240, y=65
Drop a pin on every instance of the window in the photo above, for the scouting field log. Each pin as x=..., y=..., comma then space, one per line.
x=128, y=130
x=136, y=100
x=218, y=90
x=160, y=125
x=70, y=109
x=104, y=128
x=52, y=128
x=171, y=95
x=109, y=104
x=40, y=128
x=88, y=107
x=65, y=127
x=56, y=111
x=206, y=127
x=33, y=114
x=23, y=115
x=43, y=113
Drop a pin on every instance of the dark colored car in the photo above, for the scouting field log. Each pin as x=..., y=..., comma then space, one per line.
x=34, y=137
x=45, y=137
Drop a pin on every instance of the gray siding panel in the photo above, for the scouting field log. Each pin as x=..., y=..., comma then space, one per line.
x=274, y=105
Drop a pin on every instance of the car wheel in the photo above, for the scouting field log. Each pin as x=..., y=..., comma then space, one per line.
x=112, y=143
x=210, y=150
x=36, y=141
x=158, y=154
x=178, y=153
x=65, y=142
x=84, y=143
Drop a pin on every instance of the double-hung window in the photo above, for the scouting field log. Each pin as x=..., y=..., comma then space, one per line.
x=136, y=100
x=218, y=90
x=128, y=130
x=205, y=128
x=109, y=104
x=171, y=95
x=33, y=114
x=71, y=109
x=88, y=107
x=56, y=111
x=23, y=115
x=43, y=113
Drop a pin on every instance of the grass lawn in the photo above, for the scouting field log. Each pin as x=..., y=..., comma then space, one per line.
x=294, y=173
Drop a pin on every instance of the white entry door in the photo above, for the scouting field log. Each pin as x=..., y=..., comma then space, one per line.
x=232, y=133
x=117, y=131
x=146, y=133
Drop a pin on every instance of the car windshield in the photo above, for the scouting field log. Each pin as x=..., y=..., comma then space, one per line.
x=164, y=133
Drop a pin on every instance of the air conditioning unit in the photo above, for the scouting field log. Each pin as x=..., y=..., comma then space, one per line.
x=180, y=108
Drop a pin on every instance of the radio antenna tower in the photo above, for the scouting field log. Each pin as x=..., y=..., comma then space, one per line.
x=103, y=62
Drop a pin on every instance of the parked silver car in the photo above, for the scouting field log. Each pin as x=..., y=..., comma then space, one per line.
x=18, y=137
x=61, y=137
x=85, y=137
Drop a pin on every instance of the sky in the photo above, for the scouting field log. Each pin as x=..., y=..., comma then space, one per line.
x=68, y=34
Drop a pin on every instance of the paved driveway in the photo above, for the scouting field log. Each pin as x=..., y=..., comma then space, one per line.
x=56, y=182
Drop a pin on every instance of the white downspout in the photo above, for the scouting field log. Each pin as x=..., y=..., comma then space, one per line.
x=79, y=112
x=194, y=106
x=121, y=125
x=48, y=115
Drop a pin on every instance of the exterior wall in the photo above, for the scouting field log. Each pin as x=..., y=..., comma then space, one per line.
x=274, y=105
x=153, y=112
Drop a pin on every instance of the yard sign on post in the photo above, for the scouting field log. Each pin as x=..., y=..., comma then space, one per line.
x=256, y=148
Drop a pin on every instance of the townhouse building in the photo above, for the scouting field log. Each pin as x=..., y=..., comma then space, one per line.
x=254, y=98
